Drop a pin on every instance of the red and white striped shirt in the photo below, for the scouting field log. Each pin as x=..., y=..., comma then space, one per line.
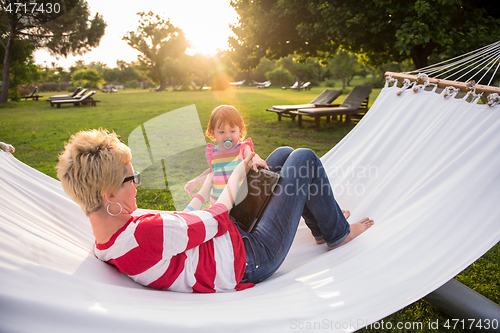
x=200, y=251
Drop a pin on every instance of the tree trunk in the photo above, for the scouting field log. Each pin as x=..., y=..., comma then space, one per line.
x=163, y=84
x=203, y=84
x=420, y=54
x=6, y=68
x=349, y=79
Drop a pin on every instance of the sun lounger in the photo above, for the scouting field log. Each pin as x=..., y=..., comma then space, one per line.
x=266, y=84
x=77, y=90
x=294, y=86
x=354, y=106
x=33, y=95
x=78, y=95
x=322, y=100
x=299, y=86
x=106, y=90
x=237, y=84
x=306, y=86
x=84, y=100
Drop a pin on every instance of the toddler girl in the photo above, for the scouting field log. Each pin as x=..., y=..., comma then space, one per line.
x=227, y=129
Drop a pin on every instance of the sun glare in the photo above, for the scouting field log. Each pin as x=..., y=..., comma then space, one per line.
x=205, y=23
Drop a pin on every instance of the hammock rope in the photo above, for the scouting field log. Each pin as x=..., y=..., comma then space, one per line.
x=487, y=56
x=475, y=66
x=464, y=57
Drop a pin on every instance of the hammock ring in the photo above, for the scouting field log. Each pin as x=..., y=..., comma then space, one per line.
x=450, y=91
x=471, y=85
x=121, y=209
x=420, y=77
x=406, y=84
x=493, y=99
x=390, y=79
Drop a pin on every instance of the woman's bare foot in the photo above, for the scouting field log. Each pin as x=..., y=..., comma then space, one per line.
x=346, y=215
x=356, y=229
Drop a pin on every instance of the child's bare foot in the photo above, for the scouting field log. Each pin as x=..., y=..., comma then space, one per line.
x=356, y=229
x=346, y=215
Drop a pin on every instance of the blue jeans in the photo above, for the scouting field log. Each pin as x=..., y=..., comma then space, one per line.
x=304, y=190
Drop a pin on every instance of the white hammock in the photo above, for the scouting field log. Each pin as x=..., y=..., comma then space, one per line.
x=424, y=167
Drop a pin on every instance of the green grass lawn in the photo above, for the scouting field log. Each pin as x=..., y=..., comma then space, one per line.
x=38, y=132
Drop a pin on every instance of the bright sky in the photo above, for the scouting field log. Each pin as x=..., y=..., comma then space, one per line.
x=205, y=23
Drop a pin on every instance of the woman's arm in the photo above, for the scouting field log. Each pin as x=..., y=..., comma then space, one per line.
x=178, y=238
x=229, y=193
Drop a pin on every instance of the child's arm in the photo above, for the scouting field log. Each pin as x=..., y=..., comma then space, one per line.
x=193, y=184
x=256, y=161
x=199, y=198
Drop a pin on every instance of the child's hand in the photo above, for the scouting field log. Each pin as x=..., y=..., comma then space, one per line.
x=193, y=183
x=258, y=162
x=190, y=187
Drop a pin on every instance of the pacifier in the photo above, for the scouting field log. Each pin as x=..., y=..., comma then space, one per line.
x=228, y=143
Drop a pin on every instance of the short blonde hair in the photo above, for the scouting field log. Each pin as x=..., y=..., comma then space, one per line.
x=222, y=115
x=92, y=164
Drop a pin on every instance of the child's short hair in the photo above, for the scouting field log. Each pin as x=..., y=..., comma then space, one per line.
x=225, y=114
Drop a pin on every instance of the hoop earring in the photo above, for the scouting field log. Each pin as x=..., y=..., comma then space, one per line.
x=121, y=208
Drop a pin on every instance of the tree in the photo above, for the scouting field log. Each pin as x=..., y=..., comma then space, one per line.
x=203, y=68
x=157, y=39
x=308, y=70
x=177, y=72
x=84, y=76
x=62, y=26
x=22, y=67
x=63, y=75
x=343, y=66
x=265, y=66
x=280, y=76
x=120, y=75
x=380, y=30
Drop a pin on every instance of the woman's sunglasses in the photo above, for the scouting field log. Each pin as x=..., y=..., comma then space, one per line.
x=136, y=178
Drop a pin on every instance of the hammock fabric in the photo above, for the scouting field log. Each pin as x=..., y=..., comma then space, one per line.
x=424, y=167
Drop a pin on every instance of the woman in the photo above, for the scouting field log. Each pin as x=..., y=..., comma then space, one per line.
x=199, y=251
